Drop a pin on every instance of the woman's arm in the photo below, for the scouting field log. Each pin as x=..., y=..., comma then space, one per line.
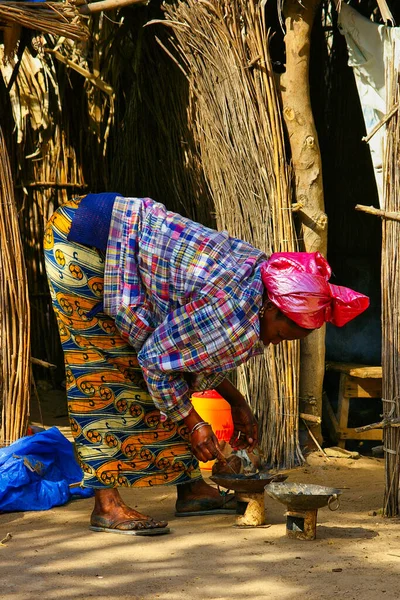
x=245, y=433
x=194, y=338
x=230, y=393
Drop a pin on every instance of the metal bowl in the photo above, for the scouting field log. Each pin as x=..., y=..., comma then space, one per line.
x=303, y=497
x=254, y=484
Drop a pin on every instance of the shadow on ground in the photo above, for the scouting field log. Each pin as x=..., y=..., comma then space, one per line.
x=52, y=555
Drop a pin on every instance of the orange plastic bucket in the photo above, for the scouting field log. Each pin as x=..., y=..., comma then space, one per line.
x=214, y=409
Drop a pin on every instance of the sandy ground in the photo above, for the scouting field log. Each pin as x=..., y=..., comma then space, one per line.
x=52, y=555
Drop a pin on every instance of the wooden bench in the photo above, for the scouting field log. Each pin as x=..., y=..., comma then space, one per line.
x=356, y=381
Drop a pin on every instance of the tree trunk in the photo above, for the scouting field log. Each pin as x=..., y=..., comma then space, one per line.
x=306, y=158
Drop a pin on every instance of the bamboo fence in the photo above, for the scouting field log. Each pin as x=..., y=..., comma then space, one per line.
x=223, y=50
x=390, y=298
x=14, y=313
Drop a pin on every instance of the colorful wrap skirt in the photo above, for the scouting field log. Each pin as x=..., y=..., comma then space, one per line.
x=119, y=437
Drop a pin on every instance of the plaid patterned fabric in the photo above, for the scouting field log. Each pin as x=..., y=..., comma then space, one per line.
x=186, y=298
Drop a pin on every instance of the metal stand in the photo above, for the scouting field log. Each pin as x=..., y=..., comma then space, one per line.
x=251, y=510
x=301, y=525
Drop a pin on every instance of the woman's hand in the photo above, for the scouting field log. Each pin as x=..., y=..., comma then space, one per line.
x=245, y=432
x=205, y=445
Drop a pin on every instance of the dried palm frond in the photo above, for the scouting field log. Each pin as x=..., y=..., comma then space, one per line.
x=155, y=151
x=11, y=37
x=57, y=18
x=223, y=49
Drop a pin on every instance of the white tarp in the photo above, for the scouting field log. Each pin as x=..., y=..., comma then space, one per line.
x=370, y=46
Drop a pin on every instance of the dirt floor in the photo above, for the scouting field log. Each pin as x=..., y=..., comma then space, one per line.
x=52, y=555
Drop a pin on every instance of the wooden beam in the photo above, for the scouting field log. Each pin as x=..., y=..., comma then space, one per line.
x=95, y=7
x=352, y=434
x=356, y=370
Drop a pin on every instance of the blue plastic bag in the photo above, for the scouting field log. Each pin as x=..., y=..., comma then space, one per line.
x=36, y=472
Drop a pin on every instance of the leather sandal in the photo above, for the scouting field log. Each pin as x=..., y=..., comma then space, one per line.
x=129, y=526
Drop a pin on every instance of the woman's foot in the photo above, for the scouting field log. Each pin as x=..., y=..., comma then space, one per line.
x=199, y=498
x=111, y=514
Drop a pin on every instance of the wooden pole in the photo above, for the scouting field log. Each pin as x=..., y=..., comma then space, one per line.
x=307, y=167
x=95, y=7
x=390, y=288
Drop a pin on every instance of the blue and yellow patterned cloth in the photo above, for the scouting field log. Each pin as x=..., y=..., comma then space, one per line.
x=119, y=436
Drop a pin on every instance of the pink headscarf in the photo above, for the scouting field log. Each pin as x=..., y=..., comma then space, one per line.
x=297, y=283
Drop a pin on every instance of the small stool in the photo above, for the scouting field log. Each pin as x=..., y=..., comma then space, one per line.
x=250, y=509
x=356, y=381
x=301, y=525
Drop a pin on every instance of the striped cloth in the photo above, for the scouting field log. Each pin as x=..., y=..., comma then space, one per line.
x=186, y=298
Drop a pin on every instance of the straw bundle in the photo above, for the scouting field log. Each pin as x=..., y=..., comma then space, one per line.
x=49, y=158
x=14, y=313
x=153, y=151
x=390, y=301
x=223, y=49
x=57, y=18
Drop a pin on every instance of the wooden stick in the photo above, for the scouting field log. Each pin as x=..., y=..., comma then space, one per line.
x=310, y=418
x=306, y=165
x=312, y=436
x=5, y=539
x=42, y=363
x=297, y=206
x=378, y=425
x=56, y=184
x=377, y=212
x=95, y=7
x=385, y=119
x=385, y=423
x=87, y=74
x=390, y=291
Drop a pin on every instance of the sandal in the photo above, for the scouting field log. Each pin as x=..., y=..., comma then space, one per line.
x=129, y=526
x=224, y=505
